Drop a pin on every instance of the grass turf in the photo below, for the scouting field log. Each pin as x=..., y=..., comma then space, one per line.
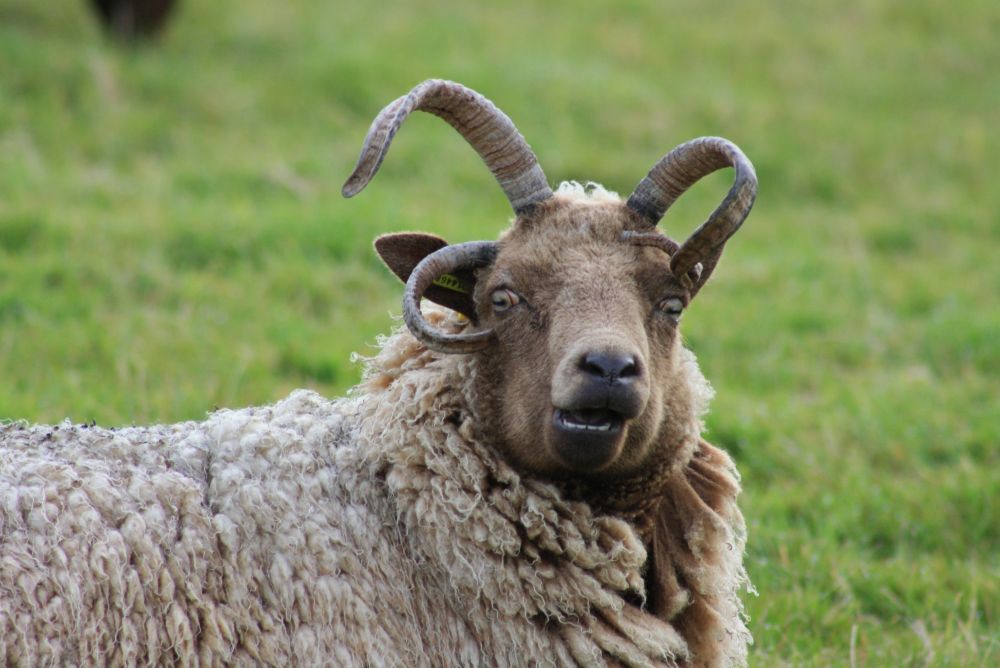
x=172, y=238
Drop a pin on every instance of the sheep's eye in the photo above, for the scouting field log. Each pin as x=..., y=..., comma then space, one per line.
x=672, y=307
x=503, y=299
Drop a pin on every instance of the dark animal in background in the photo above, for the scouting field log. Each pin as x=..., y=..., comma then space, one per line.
x=133, y=19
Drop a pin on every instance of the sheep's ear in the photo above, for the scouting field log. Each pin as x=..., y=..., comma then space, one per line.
x=403, y=251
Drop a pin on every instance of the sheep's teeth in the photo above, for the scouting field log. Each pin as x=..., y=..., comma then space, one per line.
x=604, y=426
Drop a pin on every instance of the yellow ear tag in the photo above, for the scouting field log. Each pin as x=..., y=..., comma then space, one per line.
x=449, y=282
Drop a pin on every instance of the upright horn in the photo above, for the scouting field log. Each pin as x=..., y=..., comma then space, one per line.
x=677, y=171
x=490, y=132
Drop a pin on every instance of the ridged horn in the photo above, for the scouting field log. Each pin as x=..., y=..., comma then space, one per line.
x=677, y=171
x=447, y=260
x=487, y=129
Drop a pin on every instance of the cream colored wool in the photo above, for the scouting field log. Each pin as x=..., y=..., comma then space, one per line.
x=375, y=530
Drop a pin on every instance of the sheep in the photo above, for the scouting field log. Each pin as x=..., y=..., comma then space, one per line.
x=519, y=479
x=133, y=19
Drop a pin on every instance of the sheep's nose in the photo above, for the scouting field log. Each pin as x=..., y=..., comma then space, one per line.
x=609, y=366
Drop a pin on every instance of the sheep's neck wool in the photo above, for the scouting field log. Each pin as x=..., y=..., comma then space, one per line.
x=637, y=499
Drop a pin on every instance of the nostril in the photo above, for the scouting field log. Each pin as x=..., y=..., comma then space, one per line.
x=610, y=366
x=590, y=364
x=631, y=368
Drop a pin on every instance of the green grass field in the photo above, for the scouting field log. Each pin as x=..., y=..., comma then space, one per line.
x=172, y=239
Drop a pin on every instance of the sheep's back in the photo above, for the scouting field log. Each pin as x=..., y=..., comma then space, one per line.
x=240, y=539
x=102, y=531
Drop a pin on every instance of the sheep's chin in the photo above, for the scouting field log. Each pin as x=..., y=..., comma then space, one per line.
x=587, y=441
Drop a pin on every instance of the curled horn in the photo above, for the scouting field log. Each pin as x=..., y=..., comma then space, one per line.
x=483, y=125
x=677, y=171
x=445, y=261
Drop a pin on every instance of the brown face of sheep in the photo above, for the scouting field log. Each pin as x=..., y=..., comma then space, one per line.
x=574, y=312
x=580, y=372
x=578, y=377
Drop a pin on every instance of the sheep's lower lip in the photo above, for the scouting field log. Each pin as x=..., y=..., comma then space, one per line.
x=587, y=439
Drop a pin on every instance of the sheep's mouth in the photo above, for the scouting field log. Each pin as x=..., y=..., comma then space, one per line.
x=597, y=420
x=587, y=439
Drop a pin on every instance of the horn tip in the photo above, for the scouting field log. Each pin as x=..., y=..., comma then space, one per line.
x=353, y=186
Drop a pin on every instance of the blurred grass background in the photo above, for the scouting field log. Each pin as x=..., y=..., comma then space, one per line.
x=172, y=238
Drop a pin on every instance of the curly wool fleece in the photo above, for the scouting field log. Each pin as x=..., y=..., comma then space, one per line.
x=374, y=530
